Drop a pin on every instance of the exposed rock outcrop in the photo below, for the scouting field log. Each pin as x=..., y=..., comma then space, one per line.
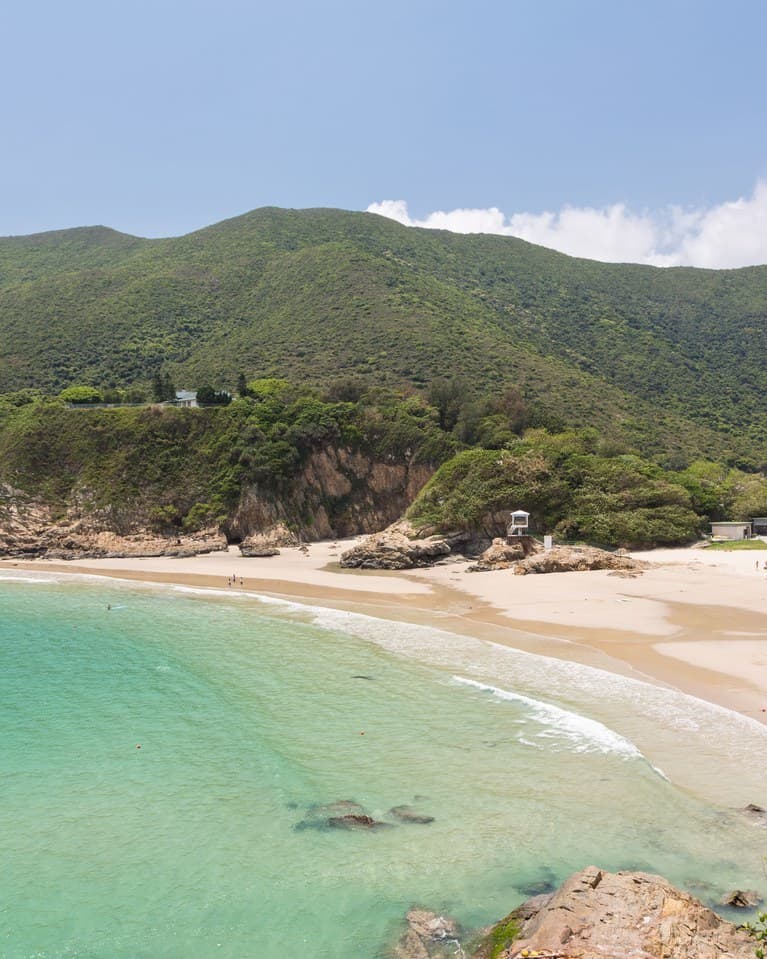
x=742, y=899
x=269, y=541
x=401, y=546
x=503, y=553
x=29, y=530
x=602, y=915
x=398, y=547
x=428, y=936
x=564, y=559
x=338, y=492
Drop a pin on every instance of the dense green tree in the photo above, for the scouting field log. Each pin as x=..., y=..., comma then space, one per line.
x=448, y=397
x=207, y=396
x=81, y=394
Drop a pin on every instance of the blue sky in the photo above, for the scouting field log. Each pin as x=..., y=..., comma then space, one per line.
x=160, y=117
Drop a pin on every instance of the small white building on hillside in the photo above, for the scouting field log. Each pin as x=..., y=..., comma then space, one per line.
x=186, y=398
x=740, y=530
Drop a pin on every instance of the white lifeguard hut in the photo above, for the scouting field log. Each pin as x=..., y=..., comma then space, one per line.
x=520, y=520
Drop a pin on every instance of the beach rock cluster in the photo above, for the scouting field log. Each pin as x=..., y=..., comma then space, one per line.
x=397, y=547
x=400, y=546
x=566, y=559
x=601, y=915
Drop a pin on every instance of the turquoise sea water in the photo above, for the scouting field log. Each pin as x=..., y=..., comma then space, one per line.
x=249, y=712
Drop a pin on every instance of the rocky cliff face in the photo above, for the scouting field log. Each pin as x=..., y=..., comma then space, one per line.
x=337, y=492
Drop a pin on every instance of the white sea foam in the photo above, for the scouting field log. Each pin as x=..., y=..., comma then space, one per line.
x=695, y=740
x=21, y=578
x=213, y=591
x=583, y=734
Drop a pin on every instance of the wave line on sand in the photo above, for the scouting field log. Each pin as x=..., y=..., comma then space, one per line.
x=584, y=734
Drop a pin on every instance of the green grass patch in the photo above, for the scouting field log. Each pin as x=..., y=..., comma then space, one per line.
x=739, y=544
x=500, y=938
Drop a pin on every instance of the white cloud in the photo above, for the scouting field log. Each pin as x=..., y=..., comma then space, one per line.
x=731, y=234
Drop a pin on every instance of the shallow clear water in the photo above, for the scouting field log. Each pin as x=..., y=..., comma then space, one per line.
x=248, y=713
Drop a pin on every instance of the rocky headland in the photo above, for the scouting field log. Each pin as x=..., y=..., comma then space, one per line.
x=32, y=529
x=593, y=915
x=337, y=493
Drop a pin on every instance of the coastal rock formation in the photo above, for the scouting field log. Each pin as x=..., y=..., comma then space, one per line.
x=397, y=547
x=602, y=915
x=501, y=554
x=564, y=559
x=269, y=541
x=742, y=898
x=29, y=530
x=428, y=936
x=337, y=492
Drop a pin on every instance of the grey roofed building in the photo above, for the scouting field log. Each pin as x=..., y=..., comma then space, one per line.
x=186, y=398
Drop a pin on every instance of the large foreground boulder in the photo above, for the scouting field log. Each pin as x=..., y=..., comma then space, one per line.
x=397, y=547
x=602, y=915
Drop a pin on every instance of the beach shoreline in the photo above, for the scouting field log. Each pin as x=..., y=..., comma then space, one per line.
x=692, y=621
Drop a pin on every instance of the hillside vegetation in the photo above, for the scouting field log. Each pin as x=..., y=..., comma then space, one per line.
x=338, y=464
x=174, y=470
x=668, y=363
x=576, y=489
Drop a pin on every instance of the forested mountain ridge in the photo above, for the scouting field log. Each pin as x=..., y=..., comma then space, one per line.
x=318, y=294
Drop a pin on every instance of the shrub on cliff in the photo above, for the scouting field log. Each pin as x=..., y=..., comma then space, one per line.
x=80, y=394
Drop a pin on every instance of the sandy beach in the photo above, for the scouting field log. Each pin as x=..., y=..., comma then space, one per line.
x=693, y=621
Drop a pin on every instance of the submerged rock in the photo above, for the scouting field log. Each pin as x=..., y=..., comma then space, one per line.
x=342, y=814
x=741, y=899
x=602, y=915
x=428, y=936
x=757, y=814
x=408, y=814
x=354, y=821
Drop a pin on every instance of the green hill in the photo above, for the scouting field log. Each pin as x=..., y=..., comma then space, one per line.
x=664, y=360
